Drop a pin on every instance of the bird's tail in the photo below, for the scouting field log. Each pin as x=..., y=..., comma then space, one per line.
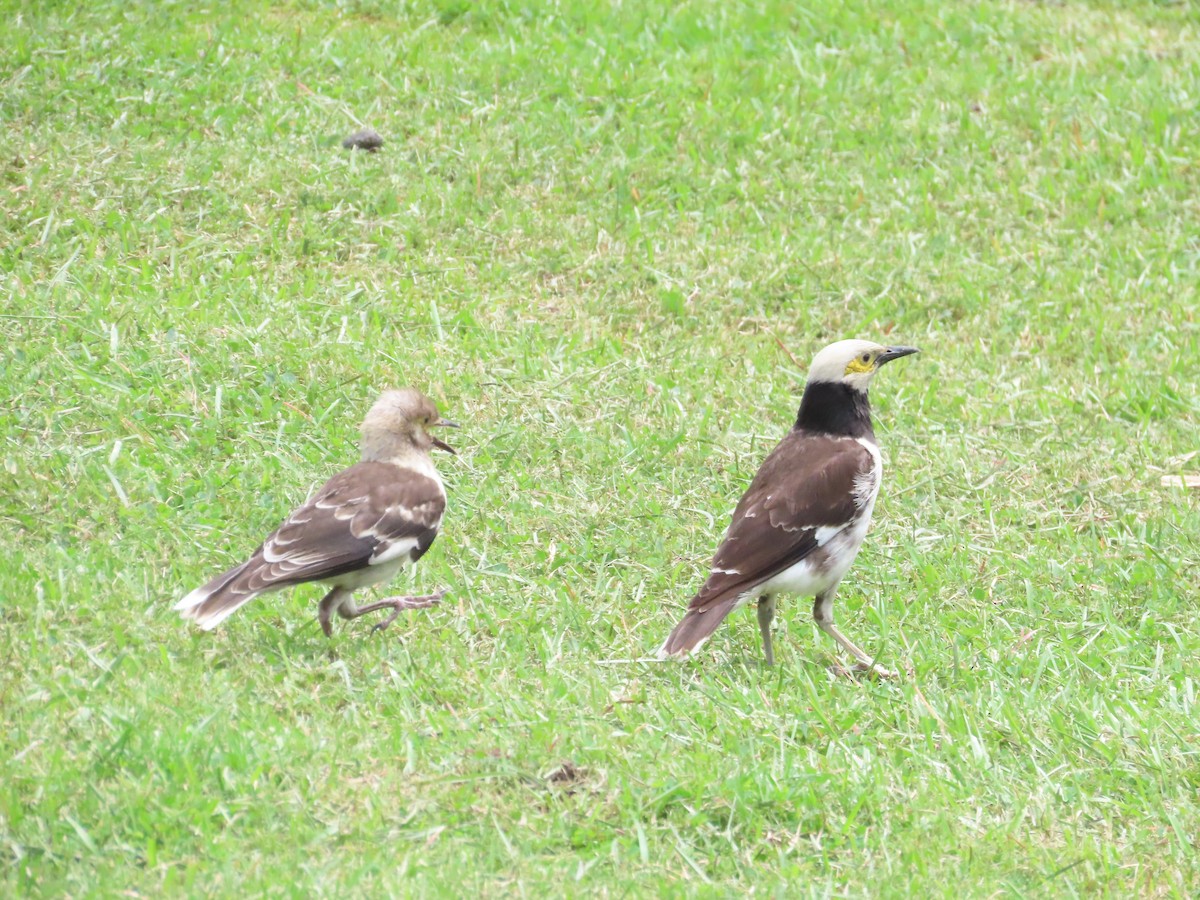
x=696, y=627
x=212, y=604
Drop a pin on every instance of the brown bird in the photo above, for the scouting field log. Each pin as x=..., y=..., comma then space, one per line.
x=366, y=523
x=800, y=524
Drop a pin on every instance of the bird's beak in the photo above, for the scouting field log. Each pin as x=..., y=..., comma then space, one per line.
x=442, y=445
x=894, y=353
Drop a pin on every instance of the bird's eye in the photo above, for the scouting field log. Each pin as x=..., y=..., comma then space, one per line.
x=866, y=357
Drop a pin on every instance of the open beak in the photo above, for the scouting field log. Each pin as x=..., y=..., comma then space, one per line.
x=894, y=353
x=442, y=445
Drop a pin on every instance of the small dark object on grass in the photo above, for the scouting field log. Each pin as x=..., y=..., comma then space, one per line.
x=368, y=139
x=567, y=773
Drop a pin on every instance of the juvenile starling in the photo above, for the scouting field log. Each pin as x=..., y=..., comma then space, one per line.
x=366, y=523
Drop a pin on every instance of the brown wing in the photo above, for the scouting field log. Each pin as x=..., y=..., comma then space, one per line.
x=363, y=516
x=809, y=482
x=368, y=514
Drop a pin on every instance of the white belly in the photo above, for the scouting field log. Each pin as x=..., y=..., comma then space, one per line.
x=836, y=549
x=824, y=569
x=369, y=575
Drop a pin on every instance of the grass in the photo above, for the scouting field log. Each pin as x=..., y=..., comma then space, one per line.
x=606, y=238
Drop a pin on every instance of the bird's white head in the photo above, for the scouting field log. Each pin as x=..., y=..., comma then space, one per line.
x=853, y=362
x=399, y=422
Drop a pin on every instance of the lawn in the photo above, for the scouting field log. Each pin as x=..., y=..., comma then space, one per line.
x=607, y=238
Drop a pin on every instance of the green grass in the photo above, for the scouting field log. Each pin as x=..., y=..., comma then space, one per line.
x=606, y=238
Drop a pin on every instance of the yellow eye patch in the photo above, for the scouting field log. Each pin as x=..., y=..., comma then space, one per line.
x=858, y=365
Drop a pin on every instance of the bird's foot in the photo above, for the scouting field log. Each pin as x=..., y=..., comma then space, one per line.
x=398, y=604
x=863, y=670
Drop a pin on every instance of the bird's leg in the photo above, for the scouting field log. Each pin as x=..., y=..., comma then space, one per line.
x=823, y=614
x=766, y=612
x=349, y=611
x=330, y=602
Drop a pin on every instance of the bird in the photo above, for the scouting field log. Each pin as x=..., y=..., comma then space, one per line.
x=801, y=522
x=358, y=530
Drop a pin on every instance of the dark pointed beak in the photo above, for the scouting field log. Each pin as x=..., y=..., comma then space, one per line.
x=894, y=353
x=442, y=445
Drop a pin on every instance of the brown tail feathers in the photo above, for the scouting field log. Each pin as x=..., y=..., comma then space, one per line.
x=216, y=601
x=696, y=627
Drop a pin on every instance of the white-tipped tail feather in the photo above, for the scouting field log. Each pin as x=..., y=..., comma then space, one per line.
x=207, y=621
x=210, y=605
x=696, y=627
x=682, y=653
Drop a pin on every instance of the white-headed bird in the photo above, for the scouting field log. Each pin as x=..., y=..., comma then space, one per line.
x=799, y=526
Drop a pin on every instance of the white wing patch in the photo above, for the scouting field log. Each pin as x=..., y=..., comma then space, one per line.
x=387, y=552
x=866, y=484
x=825, y=533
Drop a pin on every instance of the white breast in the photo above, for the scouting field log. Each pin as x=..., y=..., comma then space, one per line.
x=838, y=546
x=376, y=573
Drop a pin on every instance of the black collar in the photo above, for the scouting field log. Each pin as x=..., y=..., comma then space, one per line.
x=834, y=408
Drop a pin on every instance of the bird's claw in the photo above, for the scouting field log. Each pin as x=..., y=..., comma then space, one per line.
x=402, y=603
x=382, y=626
x=863, y=670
